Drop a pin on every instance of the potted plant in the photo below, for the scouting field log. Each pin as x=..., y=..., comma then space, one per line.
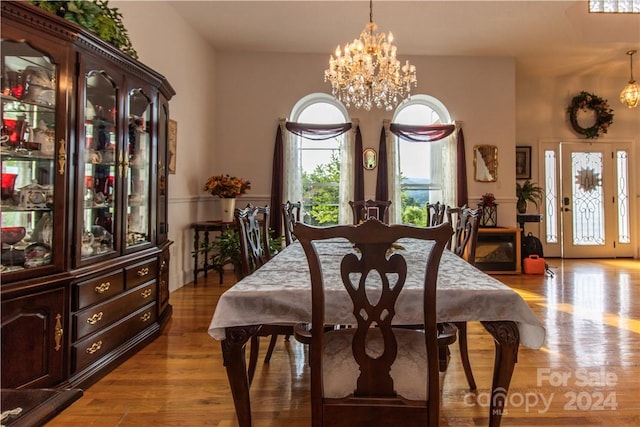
x=226, y=249
x=96, y=16
x=528, y=192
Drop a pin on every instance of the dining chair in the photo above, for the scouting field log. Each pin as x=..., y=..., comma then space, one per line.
x=447, y=331
x=373, y=373
x=290, y=215
x=465, y=237
x=465, y=240
x=453, y=215
x=252, y=224
x=363, y=209
x=435, y=213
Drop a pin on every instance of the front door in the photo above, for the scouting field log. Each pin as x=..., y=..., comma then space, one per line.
x=594, y=202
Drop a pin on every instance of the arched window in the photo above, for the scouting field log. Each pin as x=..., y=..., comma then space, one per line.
x=319, y=173
x=421, y=168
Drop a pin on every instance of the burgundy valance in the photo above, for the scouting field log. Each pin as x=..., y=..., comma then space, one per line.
x=422, y=133
x=317, y=132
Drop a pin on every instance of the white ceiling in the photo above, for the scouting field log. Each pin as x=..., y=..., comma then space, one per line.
x=551, y=38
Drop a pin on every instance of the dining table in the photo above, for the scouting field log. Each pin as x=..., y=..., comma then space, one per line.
x=280, y=292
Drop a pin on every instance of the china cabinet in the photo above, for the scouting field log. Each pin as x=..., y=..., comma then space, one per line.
x=85, y=251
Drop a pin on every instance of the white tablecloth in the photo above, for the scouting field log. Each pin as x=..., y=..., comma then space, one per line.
x=280, y=292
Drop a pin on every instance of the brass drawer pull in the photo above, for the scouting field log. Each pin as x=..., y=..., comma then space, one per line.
x=143, y=271
x=103, y=287
x=94, y=347
x=62, y=157
x=146, y=316
x=146, y=293
x=59, y=332
x=95, y=318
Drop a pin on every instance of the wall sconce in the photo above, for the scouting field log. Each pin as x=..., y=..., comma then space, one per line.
x=630, y=95
x=369, y=159
x=485, y=161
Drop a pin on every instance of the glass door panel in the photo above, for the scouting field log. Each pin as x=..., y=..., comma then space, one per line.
x=99, y=165
x=588, y=209
x=137, y=169
x=27, y=147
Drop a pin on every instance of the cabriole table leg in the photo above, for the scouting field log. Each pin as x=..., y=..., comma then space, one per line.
x=233, y=354
x=507, y=339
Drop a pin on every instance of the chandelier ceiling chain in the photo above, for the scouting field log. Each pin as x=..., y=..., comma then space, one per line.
x=366, y=72
x=630, y=95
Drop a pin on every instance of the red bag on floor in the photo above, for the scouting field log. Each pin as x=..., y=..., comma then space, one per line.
x=534, y=264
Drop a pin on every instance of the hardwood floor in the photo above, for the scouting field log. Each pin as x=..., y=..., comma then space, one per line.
x=587, y=373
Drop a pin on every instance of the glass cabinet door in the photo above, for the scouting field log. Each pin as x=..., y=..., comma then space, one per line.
x=27, y=151
x=98, y=157
x=137, y=170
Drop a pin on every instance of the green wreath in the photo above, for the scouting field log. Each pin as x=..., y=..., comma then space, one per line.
x=588, y=101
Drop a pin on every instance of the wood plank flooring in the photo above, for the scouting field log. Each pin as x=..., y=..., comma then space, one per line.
x=587, y=373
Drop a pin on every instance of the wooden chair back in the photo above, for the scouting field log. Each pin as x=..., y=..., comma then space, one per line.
x=371, y=393
x=252, y=223
x=290, y=215
x=465, y=238
x=364, y=209
x=435, y=213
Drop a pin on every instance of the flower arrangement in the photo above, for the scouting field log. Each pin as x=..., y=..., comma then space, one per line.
x=226, y=186
x=488, y=200
x=588, y=101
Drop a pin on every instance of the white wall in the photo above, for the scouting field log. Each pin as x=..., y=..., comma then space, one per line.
x=228, y=104
x=165, y=43
x=542, y=116
x=254, y=90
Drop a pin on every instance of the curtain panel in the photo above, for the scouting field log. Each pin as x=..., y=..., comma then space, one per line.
x=286, y=177
x=454, y=161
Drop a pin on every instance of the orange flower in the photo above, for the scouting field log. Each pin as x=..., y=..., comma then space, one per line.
x=226, y=186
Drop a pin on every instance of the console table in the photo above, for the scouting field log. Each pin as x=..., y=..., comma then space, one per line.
x=205, y=227
x=34, y=407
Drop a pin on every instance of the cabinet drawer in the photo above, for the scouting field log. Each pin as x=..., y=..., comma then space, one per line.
x=98, y=289
x=140, y=273
x=93, y=348
x=97, y=317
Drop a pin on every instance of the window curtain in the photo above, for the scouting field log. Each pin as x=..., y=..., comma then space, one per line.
x=462, y=192
x=454, y=164
x=286, y=179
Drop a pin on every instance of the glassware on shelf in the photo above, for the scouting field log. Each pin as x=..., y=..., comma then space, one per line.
x=11, y=236
x=37, y=254
x=8, y=185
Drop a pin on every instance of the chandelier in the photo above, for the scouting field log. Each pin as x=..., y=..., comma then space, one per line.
x=366, y=72
x=630, y=95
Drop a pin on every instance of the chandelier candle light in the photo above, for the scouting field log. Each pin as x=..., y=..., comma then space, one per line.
x=367, y=73
x=630, y=95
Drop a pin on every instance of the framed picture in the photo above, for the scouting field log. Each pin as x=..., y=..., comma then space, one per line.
x=173, y=142
x=523, y=162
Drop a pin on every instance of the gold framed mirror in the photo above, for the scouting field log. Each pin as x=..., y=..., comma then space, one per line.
x=485, y=163
x=369, y=159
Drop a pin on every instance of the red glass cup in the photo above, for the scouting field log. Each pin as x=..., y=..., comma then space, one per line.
x=8, y=185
